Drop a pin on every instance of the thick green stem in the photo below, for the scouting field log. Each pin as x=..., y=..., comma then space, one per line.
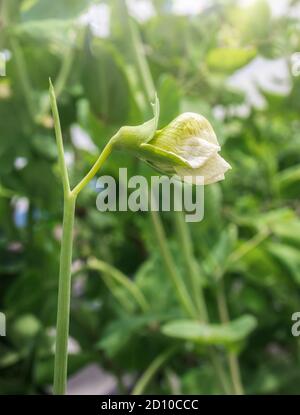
x=64, y=294
x=64, y=284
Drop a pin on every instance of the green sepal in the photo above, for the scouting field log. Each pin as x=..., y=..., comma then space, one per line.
x=131, y=137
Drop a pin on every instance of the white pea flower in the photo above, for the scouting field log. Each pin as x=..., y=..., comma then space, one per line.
x=187, y=147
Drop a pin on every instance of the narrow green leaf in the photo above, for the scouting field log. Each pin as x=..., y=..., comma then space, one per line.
x=211, y=334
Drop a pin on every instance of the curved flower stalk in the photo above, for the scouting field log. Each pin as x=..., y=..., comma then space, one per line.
x=187, y=147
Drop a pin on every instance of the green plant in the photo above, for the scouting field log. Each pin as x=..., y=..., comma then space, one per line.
x=246, y=251
x=179, y=144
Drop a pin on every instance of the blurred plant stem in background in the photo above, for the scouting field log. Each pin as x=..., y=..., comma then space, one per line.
x=150, y=372
x=231, y=356
x=193, y=274
x=23, y=76
x=122, y=279
x=175, y=277
x=193, y=271
x=64, y=72
x=38, y=110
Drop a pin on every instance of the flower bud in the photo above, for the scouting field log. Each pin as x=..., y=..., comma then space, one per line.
x=187, y=147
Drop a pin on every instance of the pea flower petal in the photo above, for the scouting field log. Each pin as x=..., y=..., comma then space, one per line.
x=187, y=147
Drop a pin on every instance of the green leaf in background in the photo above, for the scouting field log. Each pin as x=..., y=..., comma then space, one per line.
x=24, y=329
x=148, y=276
x=288, y=181
x=125, y=340
x=119, y=333
x=200, y=378
x=8, y=357
x=228, y=60
x=54, y=9
x=105, y=82
x=253, y=22
x=62, y=32
x=169, y=96
x=288, y=256
x=211, y=334
x=288, y=230
x=44, y=146
x=216, y=258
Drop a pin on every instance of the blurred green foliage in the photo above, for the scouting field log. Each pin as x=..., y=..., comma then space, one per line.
x=248, y=243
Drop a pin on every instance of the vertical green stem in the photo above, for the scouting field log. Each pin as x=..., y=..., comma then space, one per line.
x=231, y=357
x=64, y=286
x=141, y=60
x=65, y=70
x=219, y=369
x=64, y=294
x=180, y=288
x=235, y=372
x=193, y=273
